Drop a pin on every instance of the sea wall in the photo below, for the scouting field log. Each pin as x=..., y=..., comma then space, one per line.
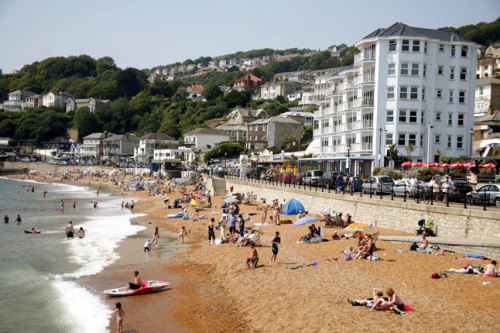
x=451, y=222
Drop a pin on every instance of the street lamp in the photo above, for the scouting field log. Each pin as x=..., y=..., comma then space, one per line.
x=429, y=141
x=380, y=139
x=225, y=160
x=471, y=140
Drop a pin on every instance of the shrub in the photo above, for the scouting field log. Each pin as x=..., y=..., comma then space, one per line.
x=395, y=174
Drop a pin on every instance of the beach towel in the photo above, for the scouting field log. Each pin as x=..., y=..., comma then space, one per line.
x=407, y=308
x=175, y=215
x=471, y=255
x=400, y=251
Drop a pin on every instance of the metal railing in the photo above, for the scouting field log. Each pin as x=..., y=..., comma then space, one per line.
x=422, y=195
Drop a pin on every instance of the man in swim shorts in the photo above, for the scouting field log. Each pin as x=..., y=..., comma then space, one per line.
x=137, y=282
x=69, y=230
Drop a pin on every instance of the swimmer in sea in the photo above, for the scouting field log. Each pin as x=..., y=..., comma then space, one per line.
x=61, y=206
x=18, y=219
x=69, y=230
x=6, y=219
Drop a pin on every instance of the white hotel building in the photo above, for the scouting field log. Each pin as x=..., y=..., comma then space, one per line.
x=408, y=86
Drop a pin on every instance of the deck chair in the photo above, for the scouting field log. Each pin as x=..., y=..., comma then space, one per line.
x=257, y=239
x=375, y=239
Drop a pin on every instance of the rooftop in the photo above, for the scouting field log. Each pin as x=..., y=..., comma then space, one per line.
x=275, y=120
x=156, y=136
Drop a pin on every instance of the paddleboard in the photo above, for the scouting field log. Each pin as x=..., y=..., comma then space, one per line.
x=147, y=287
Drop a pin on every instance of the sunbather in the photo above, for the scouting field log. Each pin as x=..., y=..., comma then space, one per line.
x=397, y=304
x=307, y=236
x=377, y=302
x=491, y=270
x=469, y=269
x=363, y=251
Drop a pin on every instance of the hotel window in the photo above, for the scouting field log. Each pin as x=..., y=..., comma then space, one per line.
x=461, y=97
x=412, y=139
x=414, y=69
x=421, y=140
x=453, y=50
x=481, y=91
x=391, y=69
x=425, y=70
x=437, y=139
x=460, y=121
x=439, y=93
x=390, y=116
x=438, y=116
x=416, y=46
x=406, y=45
x=450, y=119
x=414, y=93
x=403, y=92
x=441, y=48
x=450, y=97
x=402, y=139
x=452, y=73
x=388, y=139
x=464, y=51
x=463, y=73
x=448, y=143
x=423, y=94
x=402, y=116
x=390, y=92
x=422, y=117
x=404, y=69
x=413, y=116
x=440, y=70
x=392, y=45
x=425, y=47
x=460, y=142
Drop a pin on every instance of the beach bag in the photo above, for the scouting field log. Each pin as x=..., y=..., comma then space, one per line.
x=346, y=255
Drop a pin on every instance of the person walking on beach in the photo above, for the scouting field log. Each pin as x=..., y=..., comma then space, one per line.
x=241, y=225
x=156, y=235
x=274, y=247
x=211, y=233
x=6, y=219
x=69, y=230
x=132, y=205
x=44, y=192
x=61, y=206
x=119, y=317
x=74, y=204
x=264, y=207
x=223, y=224
x=182, y=233
x=254, y=259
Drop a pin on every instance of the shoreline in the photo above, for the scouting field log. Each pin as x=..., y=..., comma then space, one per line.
x=212, y=290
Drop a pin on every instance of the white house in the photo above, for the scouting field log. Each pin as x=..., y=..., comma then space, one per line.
x=120, y=145
x=144, y=152
x=92, y=146
x=306, y=118
x=17, y=100
x=487, y=94
x=205, y=138
x=57, y=98
x=409, y=87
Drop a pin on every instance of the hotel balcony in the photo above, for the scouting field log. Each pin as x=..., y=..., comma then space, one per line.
x=364, y=56
x=363, y=102
x=364, y=79
x=363, y=125
x=362, y=147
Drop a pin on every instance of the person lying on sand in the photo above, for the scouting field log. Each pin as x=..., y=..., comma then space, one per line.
x=469, y=269
x=377, y=302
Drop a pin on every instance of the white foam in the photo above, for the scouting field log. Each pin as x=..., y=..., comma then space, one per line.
x=81, y=310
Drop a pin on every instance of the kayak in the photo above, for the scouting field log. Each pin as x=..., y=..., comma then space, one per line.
x=147, y=287
x=30, y=232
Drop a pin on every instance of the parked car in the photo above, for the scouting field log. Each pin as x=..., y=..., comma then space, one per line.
x=491, y=190
x=313, y=177
x=298, y=178
x=405, y=185
x=72, y=162
x=25, y=159
x=286, y=177
x=53, y=162
x=377, y=184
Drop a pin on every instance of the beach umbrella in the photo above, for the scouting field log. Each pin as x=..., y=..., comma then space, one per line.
x=417, y=164
x=431, y=165
x=489, y=165
x=443, y=165
x=470, y=165
x=292, y=207
x=457, y=165
x=231, y=200
x=305, y=220
x=406, y=164
x=358, y=227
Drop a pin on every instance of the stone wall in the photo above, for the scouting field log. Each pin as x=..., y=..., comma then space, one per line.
x=450, y=222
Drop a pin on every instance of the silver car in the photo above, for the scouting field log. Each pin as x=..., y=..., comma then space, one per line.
x=378, y=184
x=491, y=190
x=313, y=177
x=404, y=185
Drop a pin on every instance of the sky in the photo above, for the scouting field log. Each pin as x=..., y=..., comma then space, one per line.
x=148, y=33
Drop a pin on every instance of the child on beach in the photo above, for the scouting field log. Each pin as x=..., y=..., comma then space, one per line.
x=255, y=257
x=274, y=247
x=147, y=246
x=211, y=232
x=156, y=235
x=119, y=317
x=182, y=233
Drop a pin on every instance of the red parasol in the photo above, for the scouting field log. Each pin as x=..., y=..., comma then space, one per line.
x=457, y=165
x=417, y=164
x=406, y=164
x=443, y=165
x=431, y=165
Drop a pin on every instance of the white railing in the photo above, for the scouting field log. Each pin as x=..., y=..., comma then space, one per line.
x=364, y=55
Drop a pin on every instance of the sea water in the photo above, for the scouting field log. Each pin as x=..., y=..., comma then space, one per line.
x=39, y=272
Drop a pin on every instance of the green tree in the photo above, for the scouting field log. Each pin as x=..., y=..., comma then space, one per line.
x=86, y=122
x=7, y=128
x=409, y=149
x=130, y=81
x=212, y=91
x=228, y=150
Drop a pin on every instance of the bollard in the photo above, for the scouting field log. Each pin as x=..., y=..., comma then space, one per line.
x=404, y=194
x=465, y=200
x=448, y=198
x=371, y=189
x=485, y=199
x=381, y=191
x=392, y=192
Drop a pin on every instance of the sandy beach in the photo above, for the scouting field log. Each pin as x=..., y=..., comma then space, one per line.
x=213, y=290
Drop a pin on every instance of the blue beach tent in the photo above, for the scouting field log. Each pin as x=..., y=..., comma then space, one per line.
x=292, y=207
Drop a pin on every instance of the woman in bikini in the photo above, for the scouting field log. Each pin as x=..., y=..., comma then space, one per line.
x=491, y=270
x=119, y=317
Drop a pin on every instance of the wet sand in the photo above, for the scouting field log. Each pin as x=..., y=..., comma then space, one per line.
x=213, y=290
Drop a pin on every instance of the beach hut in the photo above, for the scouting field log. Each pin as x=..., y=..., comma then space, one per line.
x=292, y=207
